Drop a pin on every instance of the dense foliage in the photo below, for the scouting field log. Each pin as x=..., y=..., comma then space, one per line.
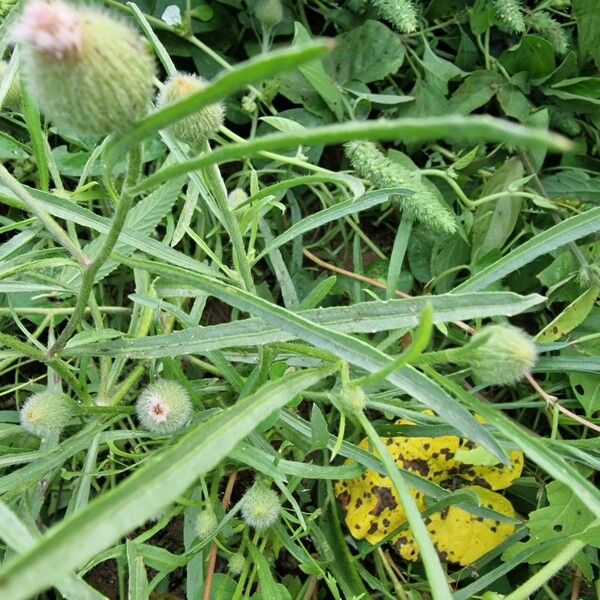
x=299, y=299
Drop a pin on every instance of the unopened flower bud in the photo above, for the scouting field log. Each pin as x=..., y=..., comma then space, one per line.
x=164, y=407
x=46, y=413
x=236, y=563
x=199, y=126
x=505, y=355
x=206, y=523
x=269, y=12
x=89, y=72
x=13, y=95
x=260, y=506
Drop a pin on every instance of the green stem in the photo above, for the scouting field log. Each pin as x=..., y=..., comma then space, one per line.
x=547, y=571
x=89, y=275
x=54, y=363
x=433, y=568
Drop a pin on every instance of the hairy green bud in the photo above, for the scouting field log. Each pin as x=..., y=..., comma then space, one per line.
x=260, y=506
x=46, y=413
x=237, y=562
x=164, y=407
x=200, y=126
x=423, y=205
x=500, y=354
x=88, y=72
x=402, y=14
x=510, y=13
x=206, y=523
x=13, y=96
x=269, y=12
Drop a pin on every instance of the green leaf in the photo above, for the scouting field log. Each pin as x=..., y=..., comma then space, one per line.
x=513, y=102
x=588, y=27
x=153, y=486
x=586, y=387
x=495, y=221
x=477, y=89
x=533, y=54
x=565, y=518
x=573, y=184
x=318, y=78
x=567, y=231
x=367, y=53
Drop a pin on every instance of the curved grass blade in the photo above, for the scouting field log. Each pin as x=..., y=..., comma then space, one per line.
x=472, y=129
x=153, y=486
x=567, y=231
x=261, y=67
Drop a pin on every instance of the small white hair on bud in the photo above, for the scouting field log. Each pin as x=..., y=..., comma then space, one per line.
x=51, y=28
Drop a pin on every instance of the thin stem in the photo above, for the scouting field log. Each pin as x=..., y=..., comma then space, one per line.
x=89, y=274
x=433, y=568
x=547, y=571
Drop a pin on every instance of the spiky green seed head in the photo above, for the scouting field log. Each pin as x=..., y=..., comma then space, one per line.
x=206, y=523
x=89, y=72
x=402, y=14
x=236, y=563
x=46, y=413
x=200, y=126
x=260, y=506
x=236, y=197
x=420, y=204
x=510, y=13
x=504, y=357
x=269, y=12
x=164, y=407
x=13, y=96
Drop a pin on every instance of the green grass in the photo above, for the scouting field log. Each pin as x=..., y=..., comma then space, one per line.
x=312, y=315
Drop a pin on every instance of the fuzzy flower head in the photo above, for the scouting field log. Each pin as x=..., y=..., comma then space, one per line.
x=89, y=72
x=200, y=126
x=206, y=523
x=164, y=407
x=501, y=354
x=260, y=506
x=236, y=563
x=46, y=413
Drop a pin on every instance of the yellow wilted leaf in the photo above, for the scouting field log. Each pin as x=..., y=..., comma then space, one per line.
x=373, y=511
x=459, y=536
